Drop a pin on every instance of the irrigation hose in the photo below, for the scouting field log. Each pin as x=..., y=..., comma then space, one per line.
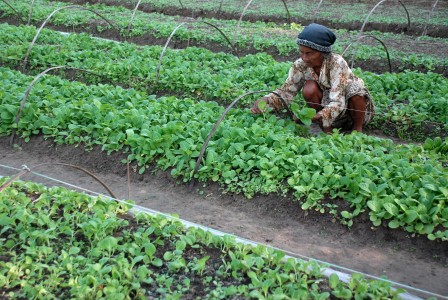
x=289, y=254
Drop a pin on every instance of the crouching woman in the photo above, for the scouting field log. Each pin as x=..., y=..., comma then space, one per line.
x=328, y=85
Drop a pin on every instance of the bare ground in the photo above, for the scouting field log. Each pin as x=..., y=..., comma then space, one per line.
x=272, y=220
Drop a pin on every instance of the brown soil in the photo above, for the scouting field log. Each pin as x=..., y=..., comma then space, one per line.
x=272, y=220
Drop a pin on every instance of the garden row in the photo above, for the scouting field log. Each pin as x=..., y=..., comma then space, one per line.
x=58, y=244
x=400, y=186
x=229, y=36
x=424, y=17
x=62, y=244
x=401, y=98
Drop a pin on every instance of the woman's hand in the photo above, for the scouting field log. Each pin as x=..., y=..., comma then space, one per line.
x=317, y=117
x=255, y=109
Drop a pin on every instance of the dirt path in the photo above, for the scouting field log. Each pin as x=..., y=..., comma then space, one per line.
x=273, y=220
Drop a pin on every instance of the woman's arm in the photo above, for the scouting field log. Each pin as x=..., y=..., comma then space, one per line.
x=287, y=91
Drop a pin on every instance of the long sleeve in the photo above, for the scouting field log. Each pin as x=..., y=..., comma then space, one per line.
x=290, y=88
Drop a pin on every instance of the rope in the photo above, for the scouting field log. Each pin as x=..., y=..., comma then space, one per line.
x=244, y=240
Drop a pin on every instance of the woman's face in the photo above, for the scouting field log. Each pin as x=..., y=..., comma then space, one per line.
x=312, y=58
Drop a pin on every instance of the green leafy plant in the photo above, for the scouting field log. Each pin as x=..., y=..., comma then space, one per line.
x=305, y=114
x=116, y=266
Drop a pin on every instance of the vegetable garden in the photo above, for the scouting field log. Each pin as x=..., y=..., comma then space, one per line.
x=153, y=92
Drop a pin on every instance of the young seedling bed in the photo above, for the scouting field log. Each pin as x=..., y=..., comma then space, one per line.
x=58, y=243
x=396, y=193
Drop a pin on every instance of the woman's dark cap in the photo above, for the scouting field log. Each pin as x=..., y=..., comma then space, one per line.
x=317, y=37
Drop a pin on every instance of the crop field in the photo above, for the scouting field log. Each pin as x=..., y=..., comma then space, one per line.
x=153, y=97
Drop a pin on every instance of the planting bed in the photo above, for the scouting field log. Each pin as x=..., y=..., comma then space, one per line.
x=350, y=224
x=412, y=51
x=269, y=220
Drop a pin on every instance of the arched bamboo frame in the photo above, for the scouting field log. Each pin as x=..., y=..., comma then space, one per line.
x=220, y=7
x=371, y=11
x=368, y=16
x=30, y=13
x=17, y=176
x=215, y=127
x=356, y=50
x=28, y=90
x=244, y=12
x=156, y=80
x=25, y=62
x=429, y=18
x=287, y=11
x=240, y=19
x=10, y=6
x=317, y=9
x=132, y=18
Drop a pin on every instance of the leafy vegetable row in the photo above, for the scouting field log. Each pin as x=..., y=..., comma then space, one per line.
x=258, y=36
x=406, y=99
x=399, y=185
x=57, y=243
x=303, y=9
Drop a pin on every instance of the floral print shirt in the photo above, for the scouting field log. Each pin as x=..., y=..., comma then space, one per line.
x=335, y=79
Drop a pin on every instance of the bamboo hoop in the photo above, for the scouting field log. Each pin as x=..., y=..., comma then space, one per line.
x=17, y=176
x=287, y=11
x=30, y=13
x=10, y=6
x=215, y=127
x=28, y=90
x=368, y=16
x=220, y=6
x=156, y=80
x=429, y=18
x=371, y=11
x=25, y=62
x=374, y=37
x=132, y=18
x=317, y=9
x=239, y=21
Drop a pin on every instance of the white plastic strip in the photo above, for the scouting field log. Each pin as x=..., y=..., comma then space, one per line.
x=345, y=277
